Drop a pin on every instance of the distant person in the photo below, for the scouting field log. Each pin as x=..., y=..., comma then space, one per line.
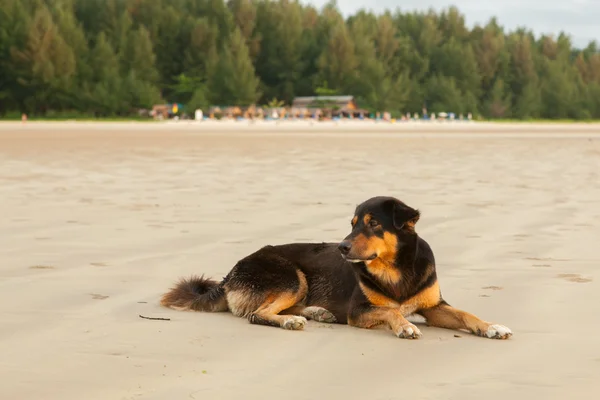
x=198, y=115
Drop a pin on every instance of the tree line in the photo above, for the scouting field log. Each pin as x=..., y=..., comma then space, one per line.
x=111, y=57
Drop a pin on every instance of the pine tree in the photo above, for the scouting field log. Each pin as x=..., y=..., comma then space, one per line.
x=106, y=92
x=138, y=56
x=338, y=61
x=45, y=64
x=113, y=56
x=14, y=26
x=499, y=103
x=443, y=95
x=232, y=79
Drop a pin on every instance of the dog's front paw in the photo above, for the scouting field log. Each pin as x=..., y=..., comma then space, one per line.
x=408, y=331
x=294, y=323
x=497, y=332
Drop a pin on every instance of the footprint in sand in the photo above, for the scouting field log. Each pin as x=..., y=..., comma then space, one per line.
x=547, y=259
x=574, y=278
x=492, y=288
x=96, y=296
x=41, y=267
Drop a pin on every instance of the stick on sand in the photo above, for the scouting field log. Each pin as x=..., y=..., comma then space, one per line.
x=156, y=319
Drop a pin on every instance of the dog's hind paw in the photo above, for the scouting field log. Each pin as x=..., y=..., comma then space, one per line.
x=408, y=331
x=294, y=323
x=319, y=314
x=498, y=332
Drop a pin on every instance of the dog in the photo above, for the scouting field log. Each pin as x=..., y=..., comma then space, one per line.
x=378, y=275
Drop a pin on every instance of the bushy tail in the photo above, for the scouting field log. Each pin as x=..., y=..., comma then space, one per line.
x=196, y=294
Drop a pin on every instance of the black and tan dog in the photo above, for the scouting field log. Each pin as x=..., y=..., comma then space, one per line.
x=381, y=273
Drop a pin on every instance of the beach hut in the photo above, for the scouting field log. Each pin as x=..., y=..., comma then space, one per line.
x=334, y=102
x=329, y=105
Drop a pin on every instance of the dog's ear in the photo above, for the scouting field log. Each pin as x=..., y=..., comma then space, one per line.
x=404, y=216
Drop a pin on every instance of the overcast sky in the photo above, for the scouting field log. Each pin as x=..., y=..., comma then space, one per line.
x=578, y=18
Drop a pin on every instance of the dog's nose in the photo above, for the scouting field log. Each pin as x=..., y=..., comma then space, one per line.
x=345, y=247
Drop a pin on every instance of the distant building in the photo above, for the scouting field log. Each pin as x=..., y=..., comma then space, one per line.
x=346, y=102
x=339, y=105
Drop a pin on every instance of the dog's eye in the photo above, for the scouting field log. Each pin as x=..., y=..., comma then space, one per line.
x=373, y=222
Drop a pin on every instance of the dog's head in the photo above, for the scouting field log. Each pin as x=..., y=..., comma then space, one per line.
x=380, y=227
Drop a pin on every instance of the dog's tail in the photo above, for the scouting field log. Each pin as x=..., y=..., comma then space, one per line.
x=196, y=294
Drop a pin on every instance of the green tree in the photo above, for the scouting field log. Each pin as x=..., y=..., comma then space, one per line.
x=280, y=63
x=106, y=88
x=231, y=78
x=338, y=61
x=523, y=79
x=45, y=65
x=114, y=56
x=443, y=95
x=14, y=27
x=202, y=45
x=498, y=104
x=244, y=14
x=138, y=56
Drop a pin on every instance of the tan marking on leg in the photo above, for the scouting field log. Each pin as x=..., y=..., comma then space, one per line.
x=393, y=313
x=445, y=316
x=268, y=313
x=294, y=310
x=426, y=298
x=388, y=316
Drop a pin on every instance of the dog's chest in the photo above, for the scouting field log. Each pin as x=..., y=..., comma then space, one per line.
x=384, y=272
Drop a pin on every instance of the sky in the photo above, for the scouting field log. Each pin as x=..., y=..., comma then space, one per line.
x=580, y=19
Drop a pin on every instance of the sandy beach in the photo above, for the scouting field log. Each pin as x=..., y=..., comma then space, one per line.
x=99, y=220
